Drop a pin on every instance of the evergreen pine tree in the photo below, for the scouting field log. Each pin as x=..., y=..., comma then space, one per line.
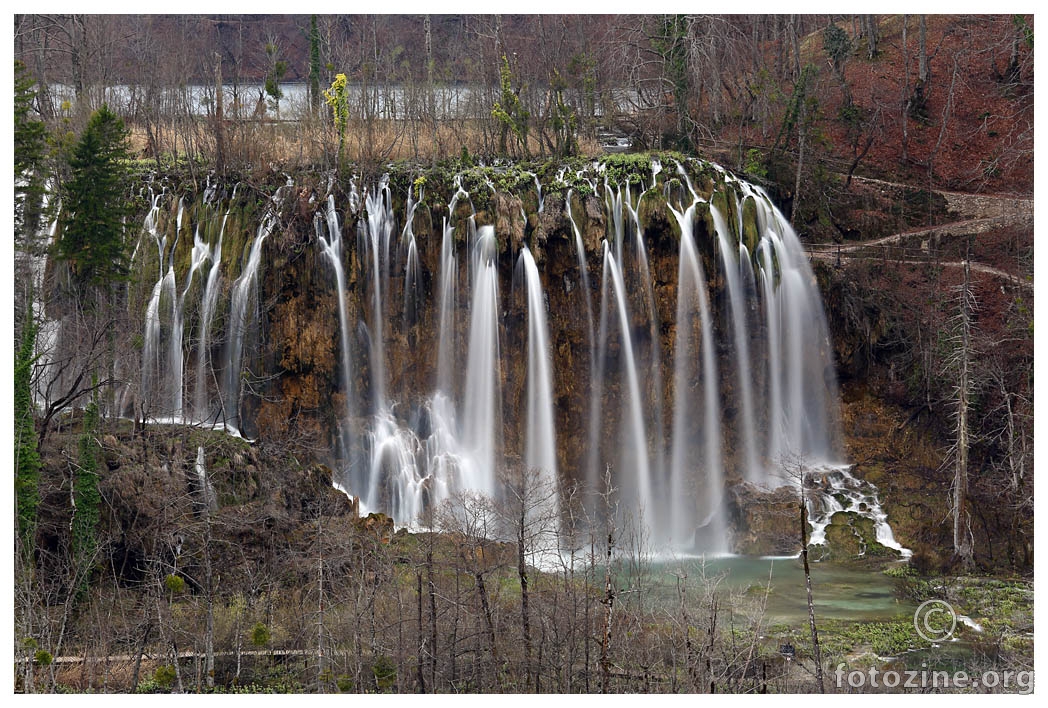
x=96, y=202
x=29, y=153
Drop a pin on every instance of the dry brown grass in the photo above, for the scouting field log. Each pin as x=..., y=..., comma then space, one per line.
x=311, y=143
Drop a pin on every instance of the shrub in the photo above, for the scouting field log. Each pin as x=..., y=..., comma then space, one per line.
x=260, y=635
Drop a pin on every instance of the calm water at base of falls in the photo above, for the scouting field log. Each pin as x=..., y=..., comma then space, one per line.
x=839, y=592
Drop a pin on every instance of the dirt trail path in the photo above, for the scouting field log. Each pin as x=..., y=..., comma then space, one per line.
x=979, y=213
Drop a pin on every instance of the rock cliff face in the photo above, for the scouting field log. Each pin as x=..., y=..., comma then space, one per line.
x=243, y=324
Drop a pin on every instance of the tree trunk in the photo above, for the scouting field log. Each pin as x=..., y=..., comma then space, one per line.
x=420, y=673
x=432, y=621
x=795, y=39
x=682, y=586
x=220, y=142
x=923, y=72
x=77, y=41
x=320, y=601
x=587, y=631
x=962, y=544
x=917, y=101
x=807, y=582
x=870, y=24
x=523, y=575
x=905, y=92
x=802, y=139
x=609, y=603
x=431, y=99
x=489, y=625
x=209, y=589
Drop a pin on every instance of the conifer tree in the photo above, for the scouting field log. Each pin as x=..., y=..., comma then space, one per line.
x=29, y=153
x=96, y=202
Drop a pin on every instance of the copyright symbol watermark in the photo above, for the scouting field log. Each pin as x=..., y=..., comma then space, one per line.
x=935, y=620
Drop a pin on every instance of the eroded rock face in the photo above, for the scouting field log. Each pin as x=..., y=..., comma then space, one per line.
x=301, y=325
x=262, y=504
x=292, y=388
x=765, y=523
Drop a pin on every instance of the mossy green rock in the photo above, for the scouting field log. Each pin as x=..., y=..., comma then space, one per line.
x=750, y=230
x=654, y=215
x=850, y=536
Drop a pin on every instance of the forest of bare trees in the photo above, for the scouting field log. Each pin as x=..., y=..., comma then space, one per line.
x=424, y=86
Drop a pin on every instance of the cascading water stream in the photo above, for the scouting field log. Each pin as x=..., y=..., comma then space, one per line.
x=199, y=255
x=580, y=252
x=742, y=362
x=655, y=413
x=376, y=233
x=240, y=301
x=331, y=247
x=623, y=213
x=448, y=296
x=634, y=462
x=590, y=453
x=803, y=425
x=482, y=401
x=151, y=339
x=151, y=349
x=687, y=513
x=540, y=453
x=201, y=404
x=178, y=229
x=412, y=271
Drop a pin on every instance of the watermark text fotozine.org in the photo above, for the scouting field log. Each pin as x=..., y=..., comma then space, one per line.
x=923, y=679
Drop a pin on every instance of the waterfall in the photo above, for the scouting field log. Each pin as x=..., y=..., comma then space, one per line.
x=580, y=252
x=803, y=424
x=635, y=468
x=686, y=512
x=178, y=229
x=151, y=338
x=541, y=446
x=404, y=442
x=538, y=191
x=448, y=295
x=240, y=301
x=201, y=404
x=482, y=403
x=589, y=455
x=743, y=364
x=375, y=235
x=842, y=491
x=412, y=270
x=199, y=255
x=152, y=368
x=331, y=248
